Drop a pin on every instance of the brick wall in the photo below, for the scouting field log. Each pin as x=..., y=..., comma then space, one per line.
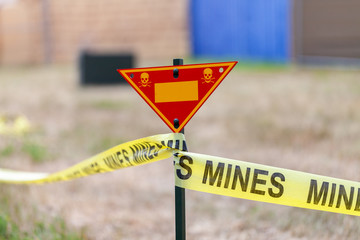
x=150, y=29
x=20, y=33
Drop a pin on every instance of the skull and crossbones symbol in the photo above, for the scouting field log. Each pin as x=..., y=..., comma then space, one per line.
x=144, y=80
x=208, y=76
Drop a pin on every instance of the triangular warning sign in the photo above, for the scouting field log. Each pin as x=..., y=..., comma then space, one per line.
x=177, y=92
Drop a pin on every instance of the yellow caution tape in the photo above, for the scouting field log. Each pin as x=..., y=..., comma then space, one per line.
x=266, y=184
x=18, y=127
x=214, y=175
x=134, y=153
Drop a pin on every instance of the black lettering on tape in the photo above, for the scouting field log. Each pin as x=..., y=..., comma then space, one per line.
x=209, y=172
x=170, y=143
x=134, y=151
x=277, y=184
x=151, y=148
x=215, y=177
x=138, y=150
x=116, y=160
x=357, y=206
x=110, y=162
x=185, y=167
x=146, y=151
x=318, y=195
x=93, y=168
x=238, y=175
x=156, y=151
x=118, y=156
x=184, y=148
x=177, y=144
x=141, y=152
x=228, y=175
x=126, y=157
x=332, y=194
x=343, y=195
x=256, y=181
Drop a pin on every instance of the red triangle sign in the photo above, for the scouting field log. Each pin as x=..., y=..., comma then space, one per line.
x=178, y=96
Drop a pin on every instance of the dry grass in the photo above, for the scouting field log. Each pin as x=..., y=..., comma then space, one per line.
x=302, y=119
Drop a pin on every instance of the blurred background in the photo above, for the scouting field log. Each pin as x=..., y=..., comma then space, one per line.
x=45, y=31
x=292, y=102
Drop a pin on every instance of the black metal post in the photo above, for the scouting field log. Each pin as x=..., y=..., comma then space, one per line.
x=180, y=223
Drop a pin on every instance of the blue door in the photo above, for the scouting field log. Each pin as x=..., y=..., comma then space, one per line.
x=256, y=30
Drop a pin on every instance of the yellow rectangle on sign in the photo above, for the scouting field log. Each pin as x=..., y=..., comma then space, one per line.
x=176, y=91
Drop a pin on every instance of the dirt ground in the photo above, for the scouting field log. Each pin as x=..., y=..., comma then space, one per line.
x=302, y=119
